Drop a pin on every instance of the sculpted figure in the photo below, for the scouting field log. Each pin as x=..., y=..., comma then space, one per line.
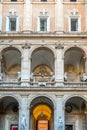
x=23, y=122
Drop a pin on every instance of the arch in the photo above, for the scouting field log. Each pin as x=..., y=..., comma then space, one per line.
x=45, y=96
x=12, y=96
x=42, y=57
x=70, y=47
x=41, y=110
x=9, y=48
x=45, y=47
x=42, y=100
x=71, y=96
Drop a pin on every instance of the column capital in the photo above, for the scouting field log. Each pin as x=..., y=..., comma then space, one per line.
x=59, y=46
x=26, y=46
x=58, y=96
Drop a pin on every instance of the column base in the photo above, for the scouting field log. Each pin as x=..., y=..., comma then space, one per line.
x=59, y=83
x=25, y=83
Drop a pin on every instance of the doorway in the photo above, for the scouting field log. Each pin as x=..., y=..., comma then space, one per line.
x=68, y=127
x=42, y=125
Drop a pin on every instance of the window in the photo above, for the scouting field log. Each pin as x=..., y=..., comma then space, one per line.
x=74, y=24
x=43, y=0
x=72, y=0
x=13, y=0
x=43, y=24
x=0, y=23
x=12, y=24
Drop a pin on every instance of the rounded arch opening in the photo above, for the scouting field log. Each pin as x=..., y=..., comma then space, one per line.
x=42, y=64
x=9, y=112
x=9, y=103
x=42, y=113
x=74, y=64
x=10, y=61
x=75, y=111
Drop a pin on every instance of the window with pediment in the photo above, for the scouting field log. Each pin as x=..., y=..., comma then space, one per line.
x=74, y=21
x=12, y=21
x=43, y=21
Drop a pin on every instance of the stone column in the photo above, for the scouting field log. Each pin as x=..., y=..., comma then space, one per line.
x=59, y=114
x=24, y=114
x=59, y=64
x=27, y=24
x=59, y=20
x=25, y=67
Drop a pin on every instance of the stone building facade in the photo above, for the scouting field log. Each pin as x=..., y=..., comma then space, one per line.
x=43, y=65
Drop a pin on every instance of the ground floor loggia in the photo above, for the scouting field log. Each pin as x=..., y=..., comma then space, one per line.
x=43, y=112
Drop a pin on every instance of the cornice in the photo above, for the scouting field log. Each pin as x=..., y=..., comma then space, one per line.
x=42, y=35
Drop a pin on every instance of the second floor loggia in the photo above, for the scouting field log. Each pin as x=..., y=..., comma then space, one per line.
x=42, y=66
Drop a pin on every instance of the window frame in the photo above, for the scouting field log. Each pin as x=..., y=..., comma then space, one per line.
x=8, y=22
x=13, y=1
x=48, y=24
x=43, y=0
x=73, y=1
x=74, y=24
x=79, y=24
x=0, y=23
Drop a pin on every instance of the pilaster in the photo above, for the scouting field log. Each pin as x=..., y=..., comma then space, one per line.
x=59, y=64
x=59, y=17
x=25, y=68
x=27, y=24
x=86, y=15
x=59, y=114
x=24, y=114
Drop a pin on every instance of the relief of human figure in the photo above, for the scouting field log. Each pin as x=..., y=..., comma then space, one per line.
x=60, y=124
x=23, y=122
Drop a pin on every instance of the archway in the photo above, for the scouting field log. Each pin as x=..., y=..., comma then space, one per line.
x=76, y=114
x=42, y=114
x=8, y=113
x=42, y=64
x=10, y=64
x=74, y=64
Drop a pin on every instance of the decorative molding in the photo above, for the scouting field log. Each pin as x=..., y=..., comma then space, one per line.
x=26, y=46
x=12, y=118
x=43, y=12
x=59, y=46
x=74, y=12
x=12, y=12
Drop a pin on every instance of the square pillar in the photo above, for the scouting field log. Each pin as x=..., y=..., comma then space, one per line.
x=59, y=19
x=59, y=65
x=27, y=23
x=24, y=115
x=25, y=67
x=59, y=123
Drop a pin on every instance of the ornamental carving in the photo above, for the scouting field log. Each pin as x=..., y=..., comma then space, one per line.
x=74, y=12
x=26, y=46
x=42, y=73
x=43, y=12
x=12, y=118
x=59, y=46
x=12, y=12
